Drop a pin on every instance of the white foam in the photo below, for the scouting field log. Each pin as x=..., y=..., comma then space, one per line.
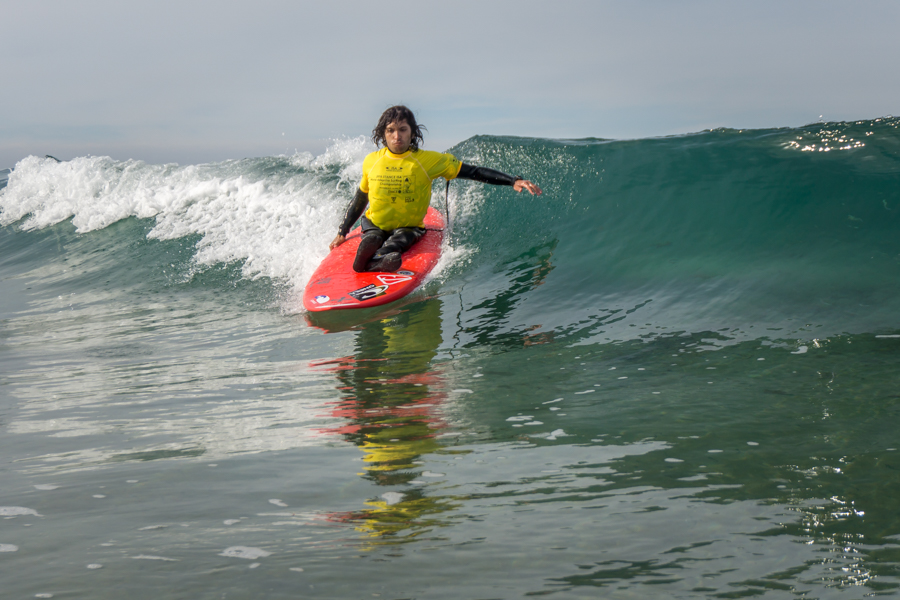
x=17, y=511
x=278, y=225
x=8, y=548
x=153, y=557
x=451, y=254
x=277, y=502
x=247, y=552
x=276, y=222
x=46, y=486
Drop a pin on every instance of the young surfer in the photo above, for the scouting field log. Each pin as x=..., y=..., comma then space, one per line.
x=396, y=187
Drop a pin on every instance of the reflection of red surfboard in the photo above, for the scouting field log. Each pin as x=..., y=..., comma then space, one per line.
x=335, y=285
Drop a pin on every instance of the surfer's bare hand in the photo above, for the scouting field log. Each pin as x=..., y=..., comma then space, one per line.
x=524, y=184
x=336, y=242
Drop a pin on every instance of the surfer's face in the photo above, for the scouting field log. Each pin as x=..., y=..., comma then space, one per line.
x=397, y=136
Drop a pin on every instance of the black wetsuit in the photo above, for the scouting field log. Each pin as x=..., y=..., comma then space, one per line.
x=402, y=238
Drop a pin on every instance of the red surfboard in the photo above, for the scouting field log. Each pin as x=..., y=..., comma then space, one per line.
x=335, y=285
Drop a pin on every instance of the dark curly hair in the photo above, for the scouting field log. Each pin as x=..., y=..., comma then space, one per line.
x=395, y=114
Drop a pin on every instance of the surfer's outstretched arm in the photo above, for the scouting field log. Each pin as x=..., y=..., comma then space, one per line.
x=494, y=177
x=354, y=212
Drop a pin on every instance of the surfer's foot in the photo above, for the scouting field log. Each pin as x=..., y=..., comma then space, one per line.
x=368, y=246
x=388, y=263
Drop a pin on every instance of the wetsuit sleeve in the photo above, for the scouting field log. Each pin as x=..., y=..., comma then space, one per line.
x=354, y=211
x=485, y=175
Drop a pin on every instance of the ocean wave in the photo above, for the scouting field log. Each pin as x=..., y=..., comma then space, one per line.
x=786, y=229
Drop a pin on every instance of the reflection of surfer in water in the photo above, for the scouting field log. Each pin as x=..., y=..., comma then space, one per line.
x=396, y=186
x=392, y=398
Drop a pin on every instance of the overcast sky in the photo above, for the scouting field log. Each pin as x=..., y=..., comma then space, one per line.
x=193, y=82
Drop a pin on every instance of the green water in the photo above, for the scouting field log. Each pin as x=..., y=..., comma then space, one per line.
x=673, y=376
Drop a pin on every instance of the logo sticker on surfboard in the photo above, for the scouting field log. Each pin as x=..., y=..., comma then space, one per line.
x=368, y=292
x=393, y=278
x=321, y=299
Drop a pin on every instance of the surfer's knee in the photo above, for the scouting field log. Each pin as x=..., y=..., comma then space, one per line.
x=402, y=239
x=370, y=237
x=368, y=246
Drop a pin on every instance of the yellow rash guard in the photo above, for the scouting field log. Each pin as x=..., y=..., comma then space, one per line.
x=399, y=185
